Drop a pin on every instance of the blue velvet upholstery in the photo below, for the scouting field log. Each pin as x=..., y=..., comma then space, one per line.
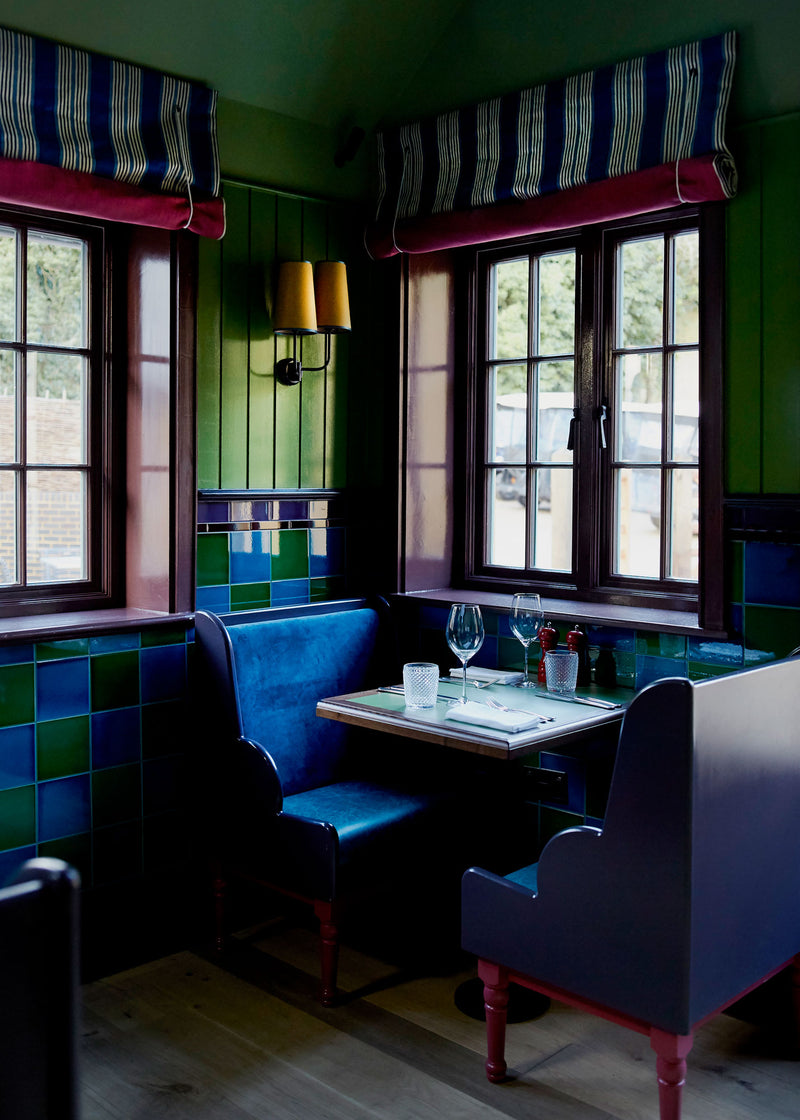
x=690, y=894
x=302, y=805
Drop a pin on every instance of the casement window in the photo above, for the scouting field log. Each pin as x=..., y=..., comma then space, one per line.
x=595, y=412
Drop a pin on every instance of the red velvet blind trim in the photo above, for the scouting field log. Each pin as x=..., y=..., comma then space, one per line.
x=24, y=183
x=640, y=192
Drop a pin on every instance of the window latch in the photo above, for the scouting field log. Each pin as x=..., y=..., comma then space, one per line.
x=602, y=416
x=576, y=419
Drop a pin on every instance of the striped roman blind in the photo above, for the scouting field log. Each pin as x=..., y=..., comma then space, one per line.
x=657, y=111
x=88, y=114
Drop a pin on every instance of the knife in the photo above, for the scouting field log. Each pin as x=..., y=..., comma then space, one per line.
x=592, y=701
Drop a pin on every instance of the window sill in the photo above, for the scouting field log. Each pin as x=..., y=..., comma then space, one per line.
x=574, y=610
x=75, y=624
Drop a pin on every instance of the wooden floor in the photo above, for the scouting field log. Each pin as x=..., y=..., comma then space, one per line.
x=183, y=1037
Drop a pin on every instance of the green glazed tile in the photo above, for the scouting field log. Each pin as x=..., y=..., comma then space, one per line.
x=249, y=595
x=770, y=630
x=700, y=671
x=17, y=817
x=16, y=694
x=53, y=651
x=115, y=680
x=163, y=636
x=323, y=588
x=510, y=654
x=116, y=795
x=212, y=559
x=661, y=645
x=74, y=850
x=290, y=554
x=62, y=747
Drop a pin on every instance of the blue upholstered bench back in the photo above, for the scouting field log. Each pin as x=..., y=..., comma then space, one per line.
x=283, y=667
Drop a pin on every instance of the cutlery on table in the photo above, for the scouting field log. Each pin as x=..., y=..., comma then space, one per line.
x=592, y=701
x=490, y=703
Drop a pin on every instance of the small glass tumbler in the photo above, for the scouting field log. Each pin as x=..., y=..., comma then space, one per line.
x=420, y=684
x=561, y=670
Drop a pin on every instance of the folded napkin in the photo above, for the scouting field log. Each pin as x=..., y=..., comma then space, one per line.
x=496, y=676
x=484, y=716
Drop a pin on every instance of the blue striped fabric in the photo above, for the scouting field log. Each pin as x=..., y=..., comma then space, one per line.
x=642, y=113
x=85, y=112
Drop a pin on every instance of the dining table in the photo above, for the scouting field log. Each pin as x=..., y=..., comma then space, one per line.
x=564, y=721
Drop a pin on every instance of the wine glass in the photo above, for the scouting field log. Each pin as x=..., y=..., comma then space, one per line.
x=526, y=618
x=464, y=636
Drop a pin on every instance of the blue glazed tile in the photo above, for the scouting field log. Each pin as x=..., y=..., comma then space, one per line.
x=716, y=653
x=63, y=807
x=16, y=654
x=576, y=780
x=649, y=669
x=211, y=513
x=10, y=861
x=326, y=555
x=62, y=688
x=250, y=556
x=163, y=673
x=486, y=657
x=116, y=737
x=213, y=599
x=113, y=643
x=772, y=573
x=612, y=636
x=17, y=756
x=289, y=591
x=290, y=511
x=431, y=617
x=164, y=784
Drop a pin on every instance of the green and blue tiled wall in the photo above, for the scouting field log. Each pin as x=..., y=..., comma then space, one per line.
x=261, y=552
x=92, y=752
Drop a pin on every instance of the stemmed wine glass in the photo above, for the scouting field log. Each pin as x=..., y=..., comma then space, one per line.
x=464, y=636
x=526, y=618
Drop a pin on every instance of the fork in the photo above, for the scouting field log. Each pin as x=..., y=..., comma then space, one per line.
x=491, y=703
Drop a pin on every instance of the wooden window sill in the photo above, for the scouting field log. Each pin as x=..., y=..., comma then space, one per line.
x=74, y=624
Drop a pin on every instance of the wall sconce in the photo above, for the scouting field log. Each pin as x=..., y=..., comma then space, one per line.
x=309, y=303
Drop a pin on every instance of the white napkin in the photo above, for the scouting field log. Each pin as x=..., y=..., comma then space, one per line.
x=484, y=716
x=496, y=676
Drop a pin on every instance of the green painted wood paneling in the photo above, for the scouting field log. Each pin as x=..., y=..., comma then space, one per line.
x=235, y=327
x=314, y=385
x=208, y=362
x=781, y=291
x=261, y=420
x=289, y=247
x=743, y=344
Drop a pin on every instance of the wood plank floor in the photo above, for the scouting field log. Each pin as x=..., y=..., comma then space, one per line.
x=185, y=1038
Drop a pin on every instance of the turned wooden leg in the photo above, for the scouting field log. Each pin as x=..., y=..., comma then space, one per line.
x=328, y=951
x=495, y=1001
x=219, y=887
x=671, y=1051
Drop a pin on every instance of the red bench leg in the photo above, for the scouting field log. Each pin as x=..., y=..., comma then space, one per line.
x=328, y=950
x=495, y=1000
x=671, y=1051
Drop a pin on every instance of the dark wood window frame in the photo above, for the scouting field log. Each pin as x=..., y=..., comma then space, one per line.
x=143, y=510
x=593, y=583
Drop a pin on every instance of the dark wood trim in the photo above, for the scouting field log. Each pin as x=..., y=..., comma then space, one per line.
x=184, y=427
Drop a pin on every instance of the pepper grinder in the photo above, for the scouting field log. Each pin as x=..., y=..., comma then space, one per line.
x=578, y=643
x=548, y=639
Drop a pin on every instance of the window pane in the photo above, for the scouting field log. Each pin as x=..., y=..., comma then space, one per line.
x=510, y=286
x=685, y=406
x=8, y=527
x=56, y=290
x=8, y=408
x=641, y=292
x=8, y=284
x=556, y=402
x=56, y=408
x=639, y=432
x=553, y=529
x=506, y=520
x=557, y=304
x=56, y=544
x=685, y=520
x=637, y=542
x=687, y=288
x=508, y=414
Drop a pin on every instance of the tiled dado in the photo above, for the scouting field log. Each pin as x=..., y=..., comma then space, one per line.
x=92, y=733
x=261, y=551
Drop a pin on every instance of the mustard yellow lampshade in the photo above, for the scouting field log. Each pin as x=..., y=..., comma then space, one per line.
x=333, y=305
x=294, y=303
